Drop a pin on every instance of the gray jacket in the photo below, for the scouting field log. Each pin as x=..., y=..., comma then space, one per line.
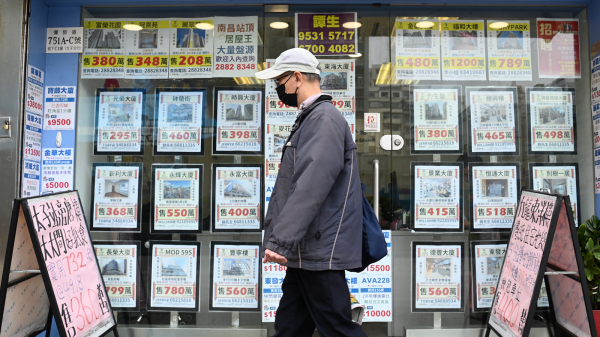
x=315, y=211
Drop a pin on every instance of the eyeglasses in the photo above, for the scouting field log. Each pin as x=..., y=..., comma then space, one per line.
x=277, y=80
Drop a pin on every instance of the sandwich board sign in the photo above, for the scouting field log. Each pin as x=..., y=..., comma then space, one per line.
x=543, y=246
x=50, y=270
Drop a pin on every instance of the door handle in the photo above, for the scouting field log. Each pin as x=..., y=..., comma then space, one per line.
x=376, y=187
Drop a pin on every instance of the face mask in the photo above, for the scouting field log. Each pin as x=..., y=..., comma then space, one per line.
x=287, y=99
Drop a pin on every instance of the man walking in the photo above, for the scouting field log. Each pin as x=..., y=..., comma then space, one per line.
x=314, y=221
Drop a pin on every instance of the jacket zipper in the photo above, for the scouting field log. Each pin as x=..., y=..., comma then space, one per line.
x=343, y=209
x=299, y=256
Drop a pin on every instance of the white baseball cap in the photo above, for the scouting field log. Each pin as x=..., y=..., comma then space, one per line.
x=295, y=59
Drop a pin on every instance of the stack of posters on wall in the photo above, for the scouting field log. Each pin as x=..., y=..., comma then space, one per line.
x=176, y=199
x=552, y=123
x=558, y=48
x=104, y=48
x=32, y=139
x=495, y=191
x=560, y=179
x=437, y=277
x=119, y=123
x=147, y=49
x=191, y=52
x=235, y=276
x=463, y=50
x=595, y=90
x=436, y=119
x=238, y=126
x=237, y=197
x=493, y=121
x=179, y=117
x=116, y=197
x=175, y=276
x=437, y=196
x=417, y=50
x=119, y=263
x=509, y=50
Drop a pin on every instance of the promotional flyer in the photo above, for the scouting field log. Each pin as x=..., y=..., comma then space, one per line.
x=191, y=52
x=495, y=191
x=551, y=121
x=509, y=50
x=238, y=122
x=417, y=50
x=119, y=268
x=436, y=120
x=103, y=48
x=147, y=49
x=463, y=50
x=179, y=120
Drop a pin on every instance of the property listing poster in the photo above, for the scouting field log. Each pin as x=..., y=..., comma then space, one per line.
x=31, y=179
x=338, y=79
x=179, y=121
x=436, y=120
x=235, y=276
x=558, y=48
x=35, y=91
x=32, y=140
x=236, y=197
x=116, y=202
x=509, y=51
x=463, y=50
x=272, y=278
x=32, y=149
x=495, y=196
x=327, y=34
x=492, y=121
x=103, y=48
x=437, y=277
x=177, y=196
x=59, y=107
x=235, y=46
x=559, y=179
x=552, y=121
x=417, y=50
x=57, y=170
x=119, y=268
x=191, y=53
x=437, y=197
x=595, y=89
x=373, y=286
x=238, y=122
x=119, y=121
x=486, y=260
x=174, y=278
x=147, y=49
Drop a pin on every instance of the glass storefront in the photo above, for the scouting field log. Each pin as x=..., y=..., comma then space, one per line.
x=482, y=105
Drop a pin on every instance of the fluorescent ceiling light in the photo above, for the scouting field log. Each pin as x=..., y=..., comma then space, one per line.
x=498, y=25
x=279, y=25
x=130, y=26
x=356, y=55
x=425, y=24
x=352, y=25
x=205, y=26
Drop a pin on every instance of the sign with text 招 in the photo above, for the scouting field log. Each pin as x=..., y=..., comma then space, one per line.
x=327, y=34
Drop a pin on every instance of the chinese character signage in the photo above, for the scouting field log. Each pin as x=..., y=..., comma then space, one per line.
x=175, y=276
x=119, y=265
x=147, y=49
x=236, y=200
x=494, y=189
x=64, y=40
x=31, y=179
x=191, y=53
x=437, y=196
x=119, y=121
x=59, y=108
x=57, y=170
x=372, y=122
x=104, y=48
x=177, y=199
x=35, y=91
x=509, y=50
x=463, y=50
x=234, y=276
x=487, y=258
x=235, y=46
x=32, y=139
x=327, y=34
x=560, y=179
x=493, y=121
x=417, y=50
x=117, y=196
x=558, y=48
x=179, y=119
x=436, y=120
x=551, y=121
x=437, y=277
x=238, y=122
x=32, y=149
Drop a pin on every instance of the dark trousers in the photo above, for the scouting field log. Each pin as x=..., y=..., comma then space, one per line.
x=315, y=299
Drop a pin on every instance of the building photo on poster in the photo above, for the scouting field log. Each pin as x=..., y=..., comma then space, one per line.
x=238, y=126
x=191, y=52
x=495, y=192
x=119, y=122
x=487, y=258
x=176, y=198
x=463, y=50
x=437, y=277
x=236, y=197
x=436, y=119
x=103, y=48
x=234, y=276
x=147, y=49
x=558, y=178
x=552, y=123
x=509, y=50
x=493, y=121
x=179, y=117
x=119, y=263
x=417, y=46
x=175, y=276
x=338, y=79
x=437, y=196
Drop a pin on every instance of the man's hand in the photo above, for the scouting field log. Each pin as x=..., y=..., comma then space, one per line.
x=271, y=256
